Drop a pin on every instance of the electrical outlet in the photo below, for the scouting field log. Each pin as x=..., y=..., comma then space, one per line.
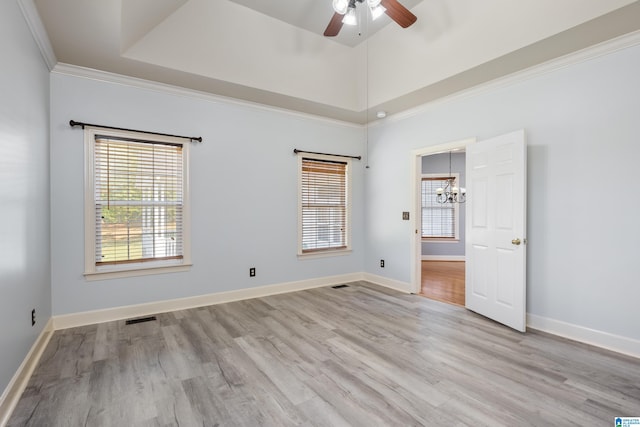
x=33, y=317
x=382, y=263
x=252, y=272
x=405, y=216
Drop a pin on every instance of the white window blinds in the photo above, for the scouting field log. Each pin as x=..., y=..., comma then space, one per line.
x=324, y=205
x=138, y=199
x=438, y=219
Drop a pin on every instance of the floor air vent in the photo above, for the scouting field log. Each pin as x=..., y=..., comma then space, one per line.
x=140, y=320
x=340, y=286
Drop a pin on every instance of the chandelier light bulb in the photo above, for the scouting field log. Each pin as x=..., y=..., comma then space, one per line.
x=373, y=3
x=451, y=193
x=340, y=6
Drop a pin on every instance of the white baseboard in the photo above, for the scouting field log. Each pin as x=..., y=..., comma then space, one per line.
x=617, y=343
x=18, y=383
x=118, y=313
x=443, y=257
x=16, y=386
x=389, y=283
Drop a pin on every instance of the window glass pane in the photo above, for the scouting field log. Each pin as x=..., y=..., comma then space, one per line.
x=438, y=219
x=323, y=205
x=138, y=201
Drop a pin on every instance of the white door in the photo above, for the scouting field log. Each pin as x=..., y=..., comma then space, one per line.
x=495, y=229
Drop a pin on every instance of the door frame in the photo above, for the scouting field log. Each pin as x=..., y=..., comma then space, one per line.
x=416, y=203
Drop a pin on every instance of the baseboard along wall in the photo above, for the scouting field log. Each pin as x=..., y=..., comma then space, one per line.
x=18, y=383
x=443, y=258
x=594, y=337
x=118, y=313
x=16, y=386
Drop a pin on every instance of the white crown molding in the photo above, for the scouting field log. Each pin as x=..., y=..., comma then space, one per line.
x=583, y=55
x=31, y=15
x=120, y=79
x=18, y=383
x=606, y=340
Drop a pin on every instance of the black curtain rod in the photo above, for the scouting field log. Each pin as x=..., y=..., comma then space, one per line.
x=296, y=151
x=73, y=123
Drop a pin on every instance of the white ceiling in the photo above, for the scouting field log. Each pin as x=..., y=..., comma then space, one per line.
x=314, y=16
x=273, y=52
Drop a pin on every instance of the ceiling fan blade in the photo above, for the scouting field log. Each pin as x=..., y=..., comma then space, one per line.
x=335, y=25
x=399, y=13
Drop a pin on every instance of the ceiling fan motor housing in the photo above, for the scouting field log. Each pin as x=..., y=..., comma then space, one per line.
x=345, y=13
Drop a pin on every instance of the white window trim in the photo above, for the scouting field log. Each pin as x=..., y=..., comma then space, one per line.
x=91, y=272
x=456, y=209
x=328, y=252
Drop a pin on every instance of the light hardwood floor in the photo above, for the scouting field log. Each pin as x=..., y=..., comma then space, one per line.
x=444, y=281
x=360, y=355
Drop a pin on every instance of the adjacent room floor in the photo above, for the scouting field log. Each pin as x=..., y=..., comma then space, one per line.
x=444, y=281
x=360, y=355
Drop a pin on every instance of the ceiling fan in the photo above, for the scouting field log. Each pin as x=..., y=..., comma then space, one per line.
x=345, y=13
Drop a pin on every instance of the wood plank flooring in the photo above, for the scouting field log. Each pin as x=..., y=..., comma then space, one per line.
x=444, y=281
x=360, y=355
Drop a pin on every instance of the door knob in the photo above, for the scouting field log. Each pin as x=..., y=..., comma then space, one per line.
x=515, y=241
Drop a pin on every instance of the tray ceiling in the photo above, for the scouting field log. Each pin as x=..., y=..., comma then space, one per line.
x=273, y=52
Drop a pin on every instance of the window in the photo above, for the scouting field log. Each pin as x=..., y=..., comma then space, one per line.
x=136, y=213
x=439, y=220
x=324, y=207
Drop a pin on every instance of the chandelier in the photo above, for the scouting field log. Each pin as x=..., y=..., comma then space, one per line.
x=348, y=9
x=451, y=193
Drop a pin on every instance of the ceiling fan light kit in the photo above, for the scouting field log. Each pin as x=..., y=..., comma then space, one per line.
x=377, y=11
x=340, y=6
x=345, y=14
x=350, y=17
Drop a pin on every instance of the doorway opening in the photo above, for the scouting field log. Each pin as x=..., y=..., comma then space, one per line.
x=443, y=226
x=495, y=251
x=439, y=250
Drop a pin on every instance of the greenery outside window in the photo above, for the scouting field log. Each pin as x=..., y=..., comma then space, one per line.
x=136, y=213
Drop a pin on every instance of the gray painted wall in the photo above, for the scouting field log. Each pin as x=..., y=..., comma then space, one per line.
x=439, y=163
x=24, y=191
x=581, y=123
x=244, y=192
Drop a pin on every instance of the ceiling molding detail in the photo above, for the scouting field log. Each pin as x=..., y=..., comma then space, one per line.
x=586, y=54
x=31, y=15
x=141, y=16
x=138, y=83
x=592, y=52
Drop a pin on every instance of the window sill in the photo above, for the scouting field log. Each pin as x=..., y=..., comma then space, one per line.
x=439, y=240
x=324, y=254
x=143, y=271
